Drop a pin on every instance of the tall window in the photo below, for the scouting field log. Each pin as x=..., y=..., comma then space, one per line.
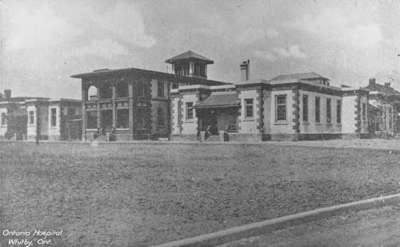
x=338, y=111
x=328, y=111
x=31, y=117
x=249, y=105
x=317, y=109
x=305, y=108
x=364, y=111
x=189, y=110
x=280, y=102
x=160, y=89
x=53, y=116
x=3, y=119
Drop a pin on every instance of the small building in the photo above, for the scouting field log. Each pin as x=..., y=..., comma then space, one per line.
x=31, y=118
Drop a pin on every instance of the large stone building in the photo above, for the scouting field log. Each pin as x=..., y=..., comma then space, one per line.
x=31, y=118
x=135, y=104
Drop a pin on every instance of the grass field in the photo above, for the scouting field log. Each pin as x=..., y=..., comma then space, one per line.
x=136, y=195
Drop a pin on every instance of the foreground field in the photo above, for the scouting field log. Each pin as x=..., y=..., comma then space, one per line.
x=136, y=195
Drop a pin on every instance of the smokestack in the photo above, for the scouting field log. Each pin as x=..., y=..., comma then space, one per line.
x=245, y=70
x=7, y=94
x=372, y=82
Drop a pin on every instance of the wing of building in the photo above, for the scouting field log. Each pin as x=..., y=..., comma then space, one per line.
x=38, y=118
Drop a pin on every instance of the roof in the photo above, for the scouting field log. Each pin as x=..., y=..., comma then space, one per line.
x=189, y=55
x=125, y=71
x=298, y=76
x=219, y=100
x=387, y=90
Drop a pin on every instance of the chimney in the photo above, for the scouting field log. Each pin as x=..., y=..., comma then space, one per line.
x=372, y=82
x=7, y=94
x=245, y=70
x=387, y=84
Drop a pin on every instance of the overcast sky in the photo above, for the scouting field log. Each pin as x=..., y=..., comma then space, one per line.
x=44, y=42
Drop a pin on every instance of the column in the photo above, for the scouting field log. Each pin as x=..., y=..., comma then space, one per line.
x=98, y=107
x=84, y=92
x=114, y=106
x=130, y=108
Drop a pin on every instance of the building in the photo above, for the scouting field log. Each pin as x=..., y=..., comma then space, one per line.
x=132, y=103
x=31, y=118
x=142, y=104
x=384, y=109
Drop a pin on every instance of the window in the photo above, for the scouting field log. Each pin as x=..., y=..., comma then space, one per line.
x=31, y=117
x=92, y=93
x=160, y=89
x=280, y=101
x=189, y=110
x=305, y=108
x=338, y=111
x=175, y=85
x=160, y=117
x=328, y=111
x=3, y=119
x=122, y=118
x=91, y=117
x=364, y=111
x=53, y=116
x=248, y=103
x=317, y=109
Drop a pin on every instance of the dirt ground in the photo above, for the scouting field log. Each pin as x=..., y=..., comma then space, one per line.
x=136, y=195
x=375, y=227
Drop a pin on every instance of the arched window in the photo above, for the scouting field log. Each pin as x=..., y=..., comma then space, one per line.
x=92, y=93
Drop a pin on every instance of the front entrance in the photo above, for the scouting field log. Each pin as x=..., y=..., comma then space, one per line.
x=214, y=120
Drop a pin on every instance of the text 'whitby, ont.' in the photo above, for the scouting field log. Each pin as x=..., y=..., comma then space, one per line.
x=30, y=238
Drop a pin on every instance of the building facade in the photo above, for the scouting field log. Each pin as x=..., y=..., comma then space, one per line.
x=133, y=104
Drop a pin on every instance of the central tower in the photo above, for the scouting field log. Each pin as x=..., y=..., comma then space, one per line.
x=190, y=64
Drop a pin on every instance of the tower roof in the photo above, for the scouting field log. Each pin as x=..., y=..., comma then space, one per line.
x=189, y=55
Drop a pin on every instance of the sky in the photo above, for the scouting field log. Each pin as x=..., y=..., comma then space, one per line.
x=44, y=42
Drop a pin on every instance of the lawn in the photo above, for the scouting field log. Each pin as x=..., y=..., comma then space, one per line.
x=136, y=195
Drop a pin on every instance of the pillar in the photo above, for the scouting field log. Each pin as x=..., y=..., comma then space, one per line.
x=114, y=106
x=84, y=118
x=130, y=108
x=98, y=108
